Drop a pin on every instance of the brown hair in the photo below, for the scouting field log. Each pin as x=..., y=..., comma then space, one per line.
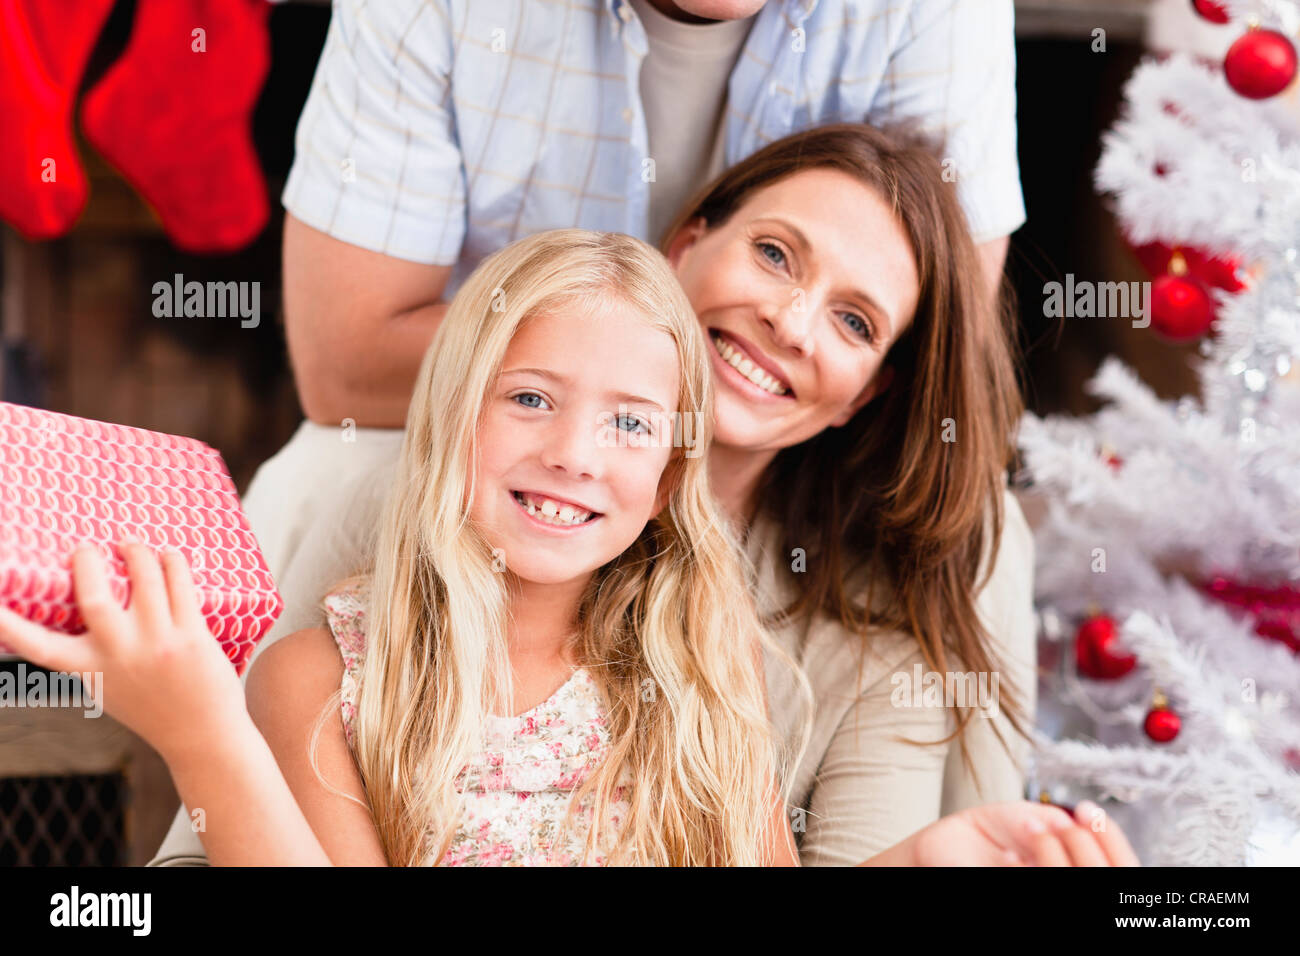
x=884, y=496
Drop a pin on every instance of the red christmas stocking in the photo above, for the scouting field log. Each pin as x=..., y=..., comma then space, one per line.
x=173, y=115
x=44, y=46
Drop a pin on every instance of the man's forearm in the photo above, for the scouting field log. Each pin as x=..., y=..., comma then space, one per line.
x=358, y=324
x=368, y=380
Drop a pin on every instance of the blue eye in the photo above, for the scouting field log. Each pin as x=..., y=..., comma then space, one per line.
x=768, y=248
x=622, y=420
x=528, y=395
x=862, y=327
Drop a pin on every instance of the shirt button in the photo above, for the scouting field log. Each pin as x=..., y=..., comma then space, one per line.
x=627, y=115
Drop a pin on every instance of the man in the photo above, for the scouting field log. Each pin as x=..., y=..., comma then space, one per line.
x=438, y=131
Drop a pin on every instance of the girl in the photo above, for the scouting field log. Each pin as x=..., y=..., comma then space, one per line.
x=548, y=539
x=546, y=527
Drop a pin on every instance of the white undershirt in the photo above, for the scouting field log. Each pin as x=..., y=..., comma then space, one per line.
x=683, y=86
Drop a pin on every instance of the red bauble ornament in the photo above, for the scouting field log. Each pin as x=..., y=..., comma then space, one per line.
x=1162, y=725
x=1214, y=12
x=1181, y=309
x=1262, y=63
x=1097, y=652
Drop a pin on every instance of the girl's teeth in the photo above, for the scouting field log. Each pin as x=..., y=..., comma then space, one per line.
x=552, y=513
x=747, y=368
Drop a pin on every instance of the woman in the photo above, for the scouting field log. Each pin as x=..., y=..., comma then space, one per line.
x=866, y=400
x=870, y=463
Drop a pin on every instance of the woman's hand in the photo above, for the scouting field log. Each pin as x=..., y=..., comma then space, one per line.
x=1022, y=833
x=163, y=673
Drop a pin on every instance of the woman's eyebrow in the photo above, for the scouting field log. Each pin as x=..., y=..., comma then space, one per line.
x=626, y=398
x=799, y=238
x=802, y=242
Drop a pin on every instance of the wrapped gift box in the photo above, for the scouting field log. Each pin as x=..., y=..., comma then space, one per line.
x=65, y=480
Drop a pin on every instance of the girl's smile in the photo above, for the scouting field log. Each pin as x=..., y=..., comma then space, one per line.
x=552, y=514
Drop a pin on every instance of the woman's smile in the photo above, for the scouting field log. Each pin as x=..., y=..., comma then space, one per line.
x=740, y=364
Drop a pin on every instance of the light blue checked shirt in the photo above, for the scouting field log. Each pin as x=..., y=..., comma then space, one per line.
x=438, y=131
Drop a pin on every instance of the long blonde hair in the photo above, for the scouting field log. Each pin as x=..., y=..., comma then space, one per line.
x=667, y=629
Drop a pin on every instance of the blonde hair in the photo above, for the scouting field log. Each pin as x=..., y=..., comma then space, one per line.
x=667, y=629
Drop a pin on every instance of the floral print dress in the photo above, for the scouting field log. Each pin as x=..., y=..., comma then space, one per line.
x=516, y=791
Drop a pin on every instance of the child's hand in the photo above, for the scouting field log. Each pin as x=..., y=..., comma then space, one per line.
x=163, y=674
x=1024, y=833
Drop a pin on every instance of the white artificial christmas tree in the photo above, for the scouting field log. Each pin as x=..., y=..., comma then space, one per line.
x=1180, y=521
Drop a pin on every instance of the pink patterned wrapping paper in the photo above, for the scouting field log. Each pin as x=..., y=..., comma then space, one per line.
x=65, y=480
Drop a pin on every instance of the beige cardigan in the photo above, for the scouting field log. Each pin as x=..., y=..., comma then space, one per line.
x=862, y=790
